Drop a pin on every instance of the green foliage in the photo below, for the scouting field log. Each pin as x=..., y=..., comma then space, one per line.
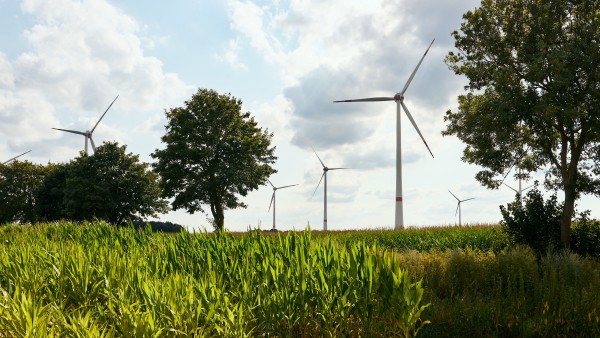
x=158, y=226
x=533, y=222
x=586, y=236
x=213, y=153
x=19, y=182
x=481, y=237
x=69, y=279
x=111, y=185
x=512, y=293
x=524, y=103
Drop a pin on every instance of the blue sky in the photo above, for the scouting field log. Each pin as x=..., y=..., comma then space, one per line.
x=62, y=62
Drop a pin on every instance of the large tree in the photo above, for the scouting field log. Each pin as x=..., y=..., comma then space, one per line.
x=19, y=182
x=533, y=92
x=110, y=184
x=214, y=152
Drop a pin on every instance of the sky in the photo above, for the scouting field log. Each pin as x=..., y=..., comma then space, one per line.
x=63, y=61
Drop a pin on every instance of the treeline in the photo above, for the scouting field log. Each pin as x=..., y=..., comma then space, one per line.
x=110, y=184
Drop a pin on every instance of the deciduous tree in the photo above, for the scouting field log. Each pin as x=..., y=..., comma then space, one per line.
x=214, y=153
x=533, y=91
x=110, y=184
x=19, y=182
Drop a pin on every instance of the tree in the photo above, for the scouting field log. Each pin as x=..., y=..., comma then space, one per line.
x=18, y=184
x=213, y=153
x=51, y=192
x=534, y=89
x=533, y=222
x=110, y=185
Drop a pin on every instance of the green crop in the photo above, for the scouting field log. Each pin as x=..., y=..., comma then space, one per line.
x=95, y=280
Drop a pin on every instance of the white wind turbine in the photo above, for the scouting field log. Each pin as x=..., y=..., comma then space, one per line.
x=399, y=98
x=273, y=198
x=458, y=208
x=88, y=134
x=325, y=170
x=521, y=190
x=14, y=158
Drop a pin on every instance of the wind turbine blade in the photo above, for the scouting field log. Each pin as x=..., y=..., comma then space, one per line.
x=415, y=125
x=369, y=99
x=287, y=186
x=415, y=71
x=468, y=199
x=338, y=168
x=318, y=185
x=101, y=117
x=92, y=142
x=457, y=207
x=511, y=188
x=271, y=184
x=454, y=195
x=71, y=131
x=272, y=198
x=508, y=172
x=14, y=158
x=318, y=157
x=529, y=187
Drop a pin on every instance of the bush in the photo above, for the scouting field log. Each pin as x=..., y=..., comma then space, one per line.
x=159, y=226
x=533, y=221
x=586, y=236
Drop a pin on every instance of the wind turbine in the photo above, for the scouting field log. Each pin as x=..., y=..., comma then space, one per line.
x=399, y=99
x=273, y=198
x=88, y=134
x=14, y=158
x=521, y=189
x=458, y=208
x=325, y=170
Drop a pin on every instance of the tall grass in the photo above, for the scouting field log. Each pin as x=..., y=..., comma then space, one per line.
x=507, y=294
x=87, y=280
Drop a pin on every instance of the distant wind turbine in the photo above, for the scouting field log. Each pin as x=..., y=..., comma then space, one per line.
x=88, y=134
x=399, y=99
x=458, y=208
x=325, y=170
x=521, y=189
x=14, y=158
x=273, y=198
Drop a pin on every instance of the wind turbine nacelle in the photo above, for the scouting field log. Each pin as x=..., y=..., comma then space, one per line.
x=398, y=97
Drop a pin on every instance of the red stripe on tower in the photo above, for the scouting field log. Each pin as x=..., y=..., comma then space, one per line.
x=398, y=199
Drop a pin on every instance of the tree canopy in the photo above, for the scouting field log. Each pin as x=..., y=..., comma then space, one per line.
x=19, y=182
x=214, y=153
x=110, y=184
x=533, y=96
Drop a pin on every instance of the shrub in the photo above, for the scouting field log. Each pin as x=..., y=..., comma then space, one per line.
x=533, y=222
x=586, y=236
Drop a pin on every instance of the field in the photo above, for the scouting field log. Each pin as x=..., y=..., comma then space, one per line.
x=93, y=280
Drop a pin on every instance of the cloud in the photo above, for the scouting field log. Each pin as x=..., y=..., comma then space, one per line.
x=351, y=49
x=80, y=55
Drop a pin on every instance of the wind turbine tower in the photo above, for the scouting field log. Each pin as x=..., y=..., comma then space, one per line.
x=325, y=170
x=88, y=134
x=458, y=208
x=399, y=99
x=273, y=199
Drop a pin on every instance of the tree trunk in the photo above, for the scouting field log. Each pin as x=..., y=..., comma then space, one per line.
x=216, y=208
x=567, y=214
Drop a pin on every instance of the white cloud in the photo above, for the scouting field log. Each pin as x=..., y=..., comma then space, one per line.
x=81, y=54
x=337, y=50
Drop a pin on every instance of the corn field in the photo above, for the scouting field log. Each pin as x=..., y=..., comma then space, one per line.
x=95, y=280
x=427, y=239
